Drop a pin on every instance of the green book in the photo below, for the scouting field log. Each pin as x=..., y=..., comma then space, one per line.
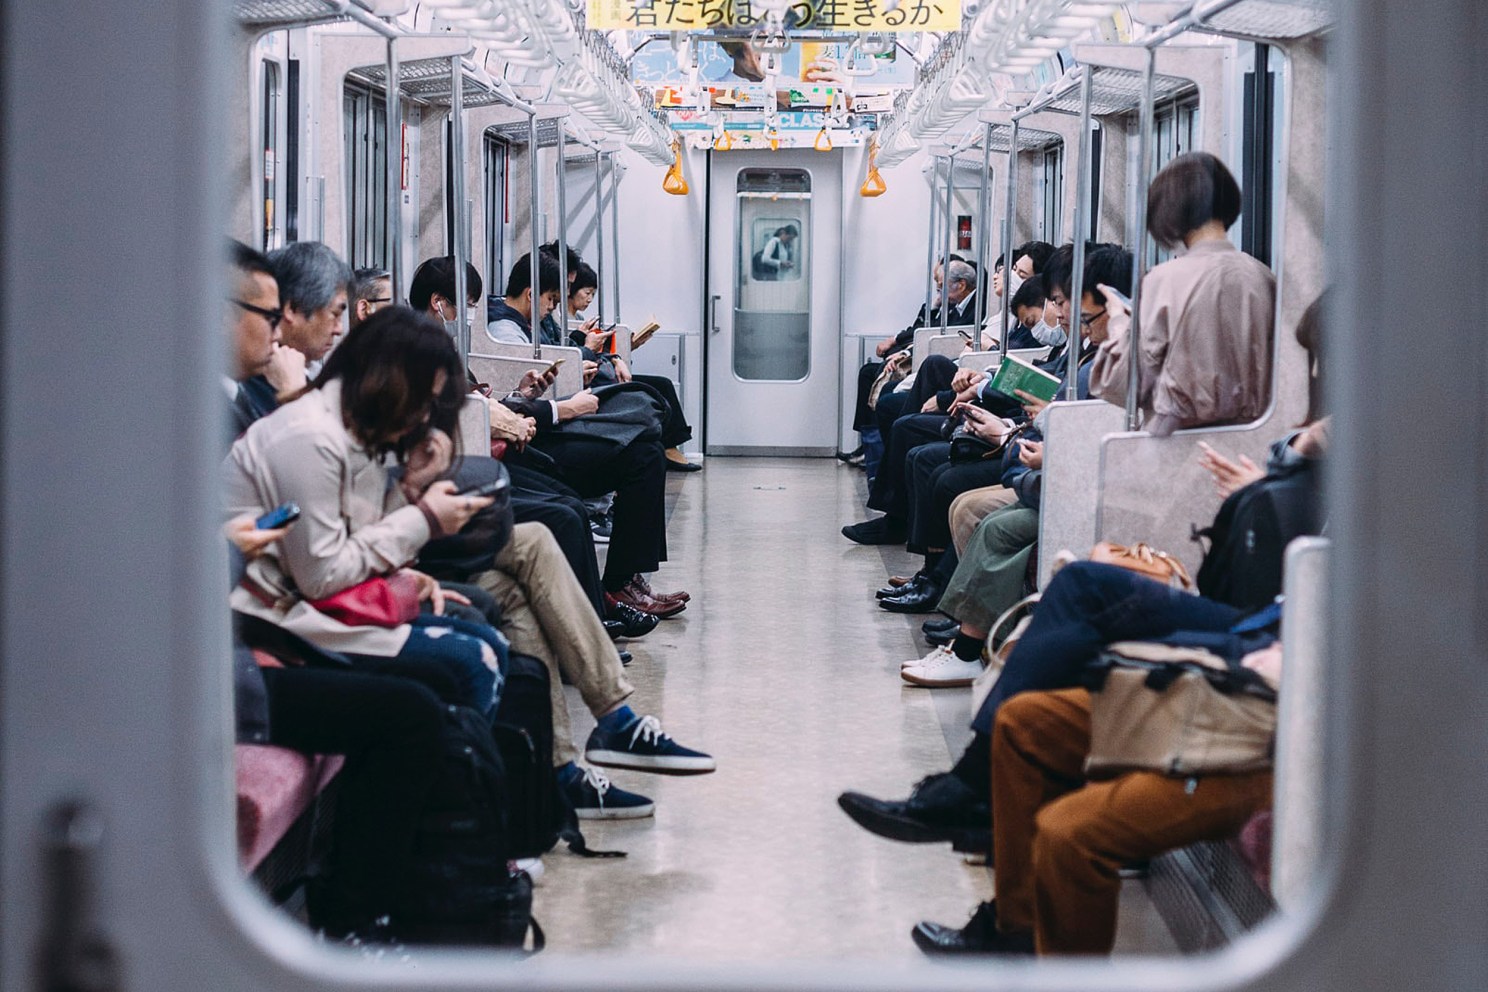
x=1014, y=373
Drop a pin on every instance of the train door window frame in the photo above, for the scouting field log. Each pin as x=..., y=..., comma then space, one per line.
x=271, y=134
x=1175, y=132
x=1051, y=193
x=496, y=173
x=365, y=174
x=1259, y=145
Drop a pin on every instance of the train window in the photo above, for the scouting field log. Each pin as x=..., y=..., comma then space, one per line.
x=366, y=162
x=1051, y=189
x=1258, y=124
x=269, y=144
x=1175, y=132
x=772, y=322
x=497, y=155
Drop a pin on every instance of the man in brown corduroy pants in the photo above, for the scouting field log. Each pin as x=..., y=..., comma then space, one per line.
x=1060, y=840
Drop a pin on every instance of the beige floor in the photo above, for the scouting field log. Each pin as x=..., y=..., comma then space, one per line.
x=782, y=669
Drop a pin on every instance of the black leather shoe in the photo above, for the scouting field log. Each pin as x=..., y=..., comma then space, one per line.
x=941, y=636
x=979, y=936
x=921, y=597
x=626, y=658
x=880, y=530
x=900, y=590
x=848, y=456
x=941, y=808
x=632, y=622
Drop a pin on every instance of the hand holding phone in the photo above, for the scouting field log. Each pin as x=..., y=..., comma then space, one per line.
x=280, y=516
x=487, y=488
x=552, y=370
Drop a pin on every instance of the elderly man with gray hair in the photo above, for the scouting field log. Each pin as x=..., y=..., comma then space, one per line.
x=313, y=285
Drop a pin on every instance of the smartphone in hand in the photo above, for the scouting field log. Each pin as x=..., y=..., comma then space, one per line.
x=552, y=369
x=487, y=489
x=280, y=516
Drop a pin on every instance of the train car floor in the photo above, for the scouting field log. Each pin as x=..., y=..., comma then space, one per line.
x=782, y=668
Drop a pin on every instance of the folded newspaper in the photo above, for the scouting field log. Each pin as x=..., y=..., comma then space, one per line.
x=1016, y=374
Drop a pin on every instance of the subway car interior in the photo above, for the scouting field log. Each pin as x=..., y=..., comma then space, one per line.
x=618, y=429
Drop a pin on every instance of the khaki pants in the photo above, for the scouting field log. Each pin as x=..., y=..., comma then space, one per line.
x=968, y=509
x=545, y=614
x=1058, y=841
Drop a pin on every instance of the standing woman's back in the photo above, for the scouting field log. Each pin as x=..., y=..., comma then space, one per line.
x=1207, y=315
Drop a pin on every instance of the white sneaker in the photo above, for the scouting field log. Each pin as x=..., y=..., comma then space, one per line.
x=936, y=655
x=942, y=670
x=532, y=866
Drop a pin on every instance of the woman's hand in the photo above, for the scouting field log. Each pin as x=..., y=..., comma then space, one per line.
x=884, y=347
x=1229, y=476
x=507, y=425
x=590, y=369
x=428, y=460
x=452, y=510
x=1031, y=453
x=248, y=539
x=429, y=589
x=622, y=370
x=980, y=423
x=594, y=338
x=1118, y=315
x=1313, y=441
x=1032, y=405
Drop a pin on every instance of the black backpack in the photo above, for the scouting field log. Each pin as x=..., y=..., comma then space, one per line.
x=457, y=887
x=1250, y=534
x=456, y=557
x=523, y=732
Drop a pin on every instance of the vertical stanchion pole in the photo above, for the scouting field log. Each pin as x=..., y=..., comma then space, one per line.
x=1082, y=230
x=458, y=220
x=1137, y=238
x=1007, y=227
x=950, y=230
x=930, y=240
x=394, y=142
x=984, y=235
x=615, y=233
x=563, y=273
x=599, y=252
x=534, y=208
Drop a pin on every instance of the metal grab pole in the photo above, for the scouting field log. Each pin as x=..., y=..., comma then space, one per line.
x=1137, y=237
x=984, y=234
x=1082, y=227
x=930, y=243
x=394, y=178
x=563, y=294
x=615, y=234
x=599, y=235
x=1007, y=231
x=945, y=270
x=457, y=204
x=534, y=313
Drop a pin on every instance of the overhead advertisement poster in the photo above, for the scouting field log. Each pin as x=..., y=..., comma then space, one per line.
x=807, y=61
x=804, y=15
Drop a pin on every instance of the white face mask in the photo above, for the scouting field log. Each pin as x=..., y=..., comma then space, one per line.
x=1051, y=335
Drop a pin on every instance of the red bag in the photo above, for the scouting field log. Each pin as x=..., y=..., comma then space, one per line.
x=376, y=602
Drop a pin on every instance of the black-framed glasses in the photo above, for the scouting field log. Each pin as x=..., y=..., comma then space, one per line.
x=1086, y=319
x=380, y=299
x=272, y=316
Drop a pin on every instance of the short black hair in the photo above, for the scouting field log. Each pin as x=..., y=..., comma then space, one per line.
x=1059, y=270
x=584, y=278
x=521, y=275
x=1030, y=294
x=570, y=256
x=1188, y=193
x=248, y=260
x=437, y=275
x=1037, y=251
x=1109, y=265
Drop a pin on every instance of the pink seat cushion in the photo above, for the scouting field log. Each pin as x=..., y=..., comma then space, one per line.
x=275, y=786
x=1254, y=845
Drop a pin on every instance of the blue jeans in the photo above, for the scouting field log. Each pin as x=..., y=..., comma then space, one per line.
x=452, y=647
x=1086, y=607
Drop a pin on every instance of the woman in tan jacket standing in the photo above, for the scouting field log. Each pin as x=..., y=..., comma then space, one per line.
x=1207, y=315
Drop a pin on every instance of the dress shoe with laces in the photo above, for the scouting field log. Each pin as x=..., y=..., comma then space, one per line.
x=880, y=530
x=632, y=597
x=918, y=597
x=940, y=809
x=631, y=621
x=979, y=936
x=641, y=583
x=899, y=585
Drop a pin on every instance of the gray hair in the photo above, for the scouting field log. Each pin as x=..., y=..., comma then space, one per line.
x=309, y=275
x=960, y=272
x=364, y=284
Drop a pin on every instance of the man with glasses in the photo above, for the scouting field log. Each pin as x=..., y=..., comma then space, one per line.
x=371, y=290
x=253, y=317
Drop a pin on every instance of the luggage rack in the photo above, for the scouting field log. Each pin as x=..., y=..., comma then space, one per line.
x=1271, y=20
x=427, y=82
x=1115, y=91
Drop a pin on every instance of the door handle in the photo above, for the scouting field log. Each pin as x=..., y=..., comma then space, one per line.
x=713, y=313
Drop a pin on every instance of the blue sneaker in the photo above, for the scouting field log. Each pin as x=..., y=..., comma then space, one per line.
x=645, y=747
x=594, y=797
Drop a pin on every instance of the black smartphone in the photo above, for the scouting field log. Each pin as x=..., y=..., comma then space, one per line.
x=487, y=489
x=280, y=516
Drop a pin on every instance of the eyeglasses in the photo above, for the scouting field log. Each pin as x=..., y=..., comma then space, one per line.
x=380, y=299
x=272, y=316
x=1086, y=319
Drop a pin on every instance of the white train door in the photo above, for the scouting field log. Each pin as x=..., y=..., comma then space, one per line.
x=774, y=295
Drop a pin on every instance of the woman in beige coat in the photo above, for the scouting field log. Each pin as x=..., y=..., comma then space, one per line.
x=1207, y=314
x=389, y=394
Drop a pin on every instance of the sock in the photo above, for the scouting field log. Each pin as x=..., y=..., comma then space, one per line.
x=621, y=719
x=975, y=766
x=967, y=648
x=932, y=558
x=616, y=583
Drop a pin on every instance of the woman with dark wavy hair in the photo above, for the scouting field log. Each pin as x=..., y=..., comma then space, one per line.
x=389, y=395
